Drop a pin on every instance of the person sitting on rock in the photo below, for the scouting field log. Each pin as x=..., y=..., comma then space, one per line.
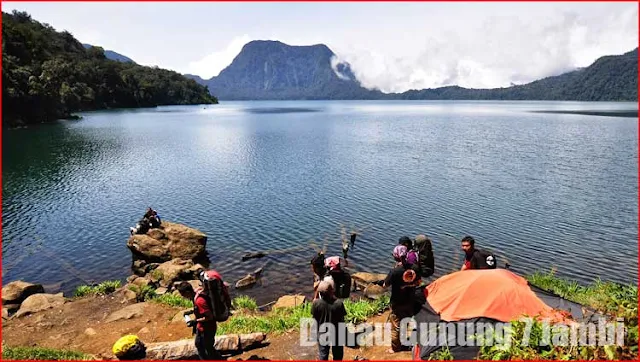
x=154, y=220
x=149, y=212
x=152, y=216
x=141, y=227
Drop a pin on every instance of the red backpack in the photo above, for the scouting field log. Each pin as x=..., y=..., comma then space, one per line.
x=217, y=295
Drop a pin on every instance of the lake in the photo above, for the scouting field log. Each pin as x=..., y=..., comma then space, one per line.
x=542, y=190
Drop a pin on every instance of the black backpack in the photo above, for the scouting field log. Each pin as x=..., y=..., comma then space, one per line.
x=217, y=294
x=342, y=282
x=486, y=259
x=426, y=262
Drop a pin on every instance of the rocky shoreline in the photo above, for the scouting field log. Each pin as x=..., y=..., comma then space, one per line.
x=162, y=258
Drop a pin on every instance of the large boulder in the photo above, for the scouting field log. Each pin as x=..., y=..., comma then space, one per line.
x=169, y=241
x=39, y=302
x=170, y=271
x=16, y=292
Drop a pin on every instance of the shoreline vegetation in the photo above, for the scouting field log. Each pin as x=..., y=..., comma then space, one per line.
x=610, y=299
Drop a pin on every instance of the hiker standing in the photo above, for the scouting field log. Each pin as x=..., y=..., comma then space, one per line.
x=329, y=314
x=205, y=323
x=402, y=279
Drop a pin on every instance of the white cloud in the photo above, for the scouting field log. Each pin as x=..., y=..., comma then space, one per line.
x=496, y=52
x=212, y=64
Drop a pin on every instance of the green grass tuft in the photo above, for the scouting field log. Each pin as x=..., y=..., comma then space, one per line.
x=103, y=288
x=361, y=310
x=173, y=301
x=39, y=353
x=283, y=319
x=244, y=302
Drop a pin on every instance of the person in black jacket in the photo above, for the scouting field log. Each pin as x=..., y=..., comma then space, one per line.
x=403, y=280
x=327, y=309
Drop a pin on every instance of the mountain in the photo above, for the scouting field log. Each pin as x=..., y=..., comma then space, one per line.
x=274, y=70
x=110, y=54
x=48, y=75
x=609, y=78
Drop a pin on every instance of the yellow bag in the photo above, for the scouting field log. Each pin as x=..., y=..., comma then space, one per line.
x=122, y=346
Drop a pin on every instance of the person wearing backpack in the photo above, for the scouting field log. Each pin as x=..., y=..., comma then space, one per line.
x=403, y=280
x=205, y=324
x=329, y=310
x=340, y=278
x=476, y=258
x=426, y=262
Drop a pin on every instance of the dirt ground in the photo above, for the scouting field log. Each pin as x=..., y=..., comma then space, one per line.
x=80, y=325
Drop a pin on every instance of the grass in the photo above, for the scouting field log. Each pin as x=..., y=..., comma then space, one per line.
x=610, y=299
x=283, y=319
x=361, y=310
x=244, y=302
x=103, y=288
x=39, y=353
x=605, y=297
x=144, y=293
x=173, y=301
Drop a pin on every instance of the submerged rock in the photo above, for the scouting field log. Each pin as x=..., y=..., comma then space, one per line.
x=248, y=256
x=249, y=280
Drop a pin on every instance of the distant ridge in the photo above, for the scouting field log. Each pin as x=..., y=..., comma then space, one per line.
x=274, y=70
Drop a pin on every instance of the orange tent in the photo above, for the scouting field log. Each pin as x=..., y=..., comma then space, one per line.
x=492, y=293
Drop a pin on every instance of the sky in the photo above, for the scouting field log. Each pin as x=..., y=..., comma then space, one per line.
x=393, y=47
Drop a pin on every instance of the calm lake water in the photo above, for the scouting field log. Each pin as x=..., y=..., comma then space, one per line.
x=541, y=190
